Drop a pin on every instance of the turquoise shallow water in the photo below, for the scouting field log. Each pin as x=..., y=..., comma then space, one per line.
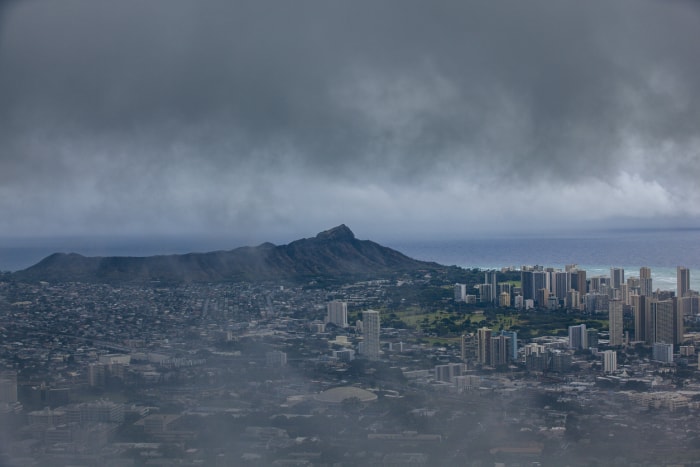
x=661, y=250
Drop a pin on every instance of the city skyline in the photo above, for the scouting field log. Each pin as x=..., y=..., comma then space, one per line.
x=263, y=354
x=535, y=117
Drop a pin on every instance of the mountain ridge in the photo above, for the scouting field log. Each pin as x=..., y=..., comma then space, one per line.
x=332, y=253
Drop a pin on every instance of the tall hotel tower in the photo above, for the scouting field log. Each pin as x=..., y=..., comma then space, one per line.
x=491, y=278
x=483, y=353
x=370, y=331
x=531, y=283
x=615, y=322
x=683, y=281
x=337, y=313
x=578, y=337
x=617, y=278
x=645, y=287
x=666, y=321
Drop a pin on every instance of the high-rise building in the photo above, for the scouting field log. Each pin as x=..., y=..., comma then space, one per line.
x=649, y=312
x=661, y=352
x=549, y=279
x=689, y=305
x=592, y=338
x=499, y=354
x=615, y=322
x=460, y=292
x=370, y=332
x=573, y=299
x=469, y=347
x=483, y=353
x=645, y=283
x=97, y=374
x=578, y=282
x=505, y=287
x=337, y=313
x=560, y=361
x=447, y=373
x=527, y=279
x=542, y=298
x=639, y=311
x=632, y=288
x=512, y=343
x=490, y=278
x=617, y=277
x=519, y=302
x=531, y=282
x=596, y=302
x=537, y=361
x=610, y=361
x=633, y=283
x=562, y=284
x=504, y=300
x=484, y=292
x=666, y=321
x=623, y=294
x=682, y=281
x=578, y=337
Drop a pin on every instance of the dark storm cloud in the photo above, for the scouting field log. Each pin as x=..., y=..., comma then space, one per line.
x=230, y=113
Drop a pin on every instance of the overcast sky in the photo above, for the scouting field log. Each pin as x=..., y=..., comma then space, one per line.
x=395, y=117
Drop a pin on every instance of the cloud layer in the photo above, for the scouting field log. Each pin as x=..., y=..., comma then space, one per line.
x=393, y=116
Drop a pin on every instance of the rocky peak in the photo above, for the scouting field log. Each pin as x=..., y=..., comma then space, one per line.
x=341, y=232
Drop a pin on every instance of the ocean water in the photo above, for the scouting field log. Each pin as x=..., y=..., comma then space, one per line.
x=20, y=253
x=596, y=252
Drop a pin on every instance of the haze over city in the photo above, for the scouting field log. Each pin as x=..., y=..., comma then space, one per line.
x=274, y=120
x=373, y=233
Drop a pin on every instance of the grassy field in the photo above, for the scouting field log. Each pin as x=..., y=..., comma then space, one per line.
x=447, y=325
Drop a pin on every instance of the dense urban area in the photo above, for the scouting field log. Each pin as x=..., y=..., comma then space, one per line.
x=534, y=366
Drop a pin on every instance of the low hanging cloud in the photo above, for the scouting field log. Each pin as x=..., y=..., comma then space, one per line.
x=397, y=116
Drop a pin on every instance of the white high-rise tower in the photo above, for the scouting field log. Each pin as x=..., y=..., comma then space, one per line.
x=370, y=332
x=615, y=322
x=337, y=313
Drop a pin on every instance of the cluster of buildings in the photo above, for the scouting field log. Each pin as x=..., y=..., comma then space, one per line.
x=92, y=369
x=553, y=288
x=658, y=315
x=368, y=327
